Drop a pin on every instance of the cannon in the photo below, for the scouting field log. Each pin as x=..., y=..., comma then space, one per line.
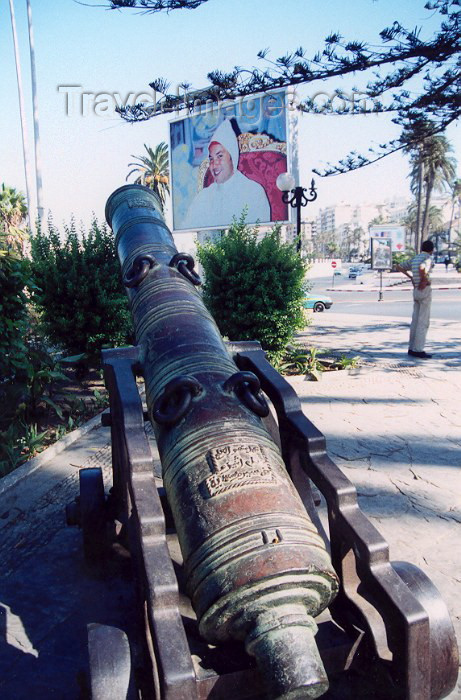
x=242, y=591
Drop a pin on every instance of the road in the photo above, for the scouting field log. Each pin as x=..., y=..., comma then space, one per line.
x=446, y=304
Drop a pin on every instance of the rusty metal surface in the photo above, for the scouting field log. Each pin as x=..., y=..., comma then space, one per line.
x=257, y=569
x=181, y=664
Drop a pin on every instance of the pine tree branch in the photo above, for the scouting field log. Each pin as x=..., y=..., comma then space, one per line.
x=148, y=6
x=435, y=61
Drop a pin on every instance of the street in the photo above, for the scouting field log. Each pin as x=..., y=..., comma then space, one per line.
x=396, y=302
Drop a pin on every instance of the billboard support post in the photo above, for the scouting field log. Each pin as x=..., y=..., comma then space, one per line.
x=381, y=259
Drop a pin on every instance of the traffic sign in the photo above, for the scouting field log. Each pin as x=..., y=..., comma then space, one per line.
x=333, y=263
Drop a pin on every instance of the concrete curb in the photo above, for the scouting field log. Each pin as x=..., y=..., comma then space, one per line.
x=391, y=288
x=10, y=480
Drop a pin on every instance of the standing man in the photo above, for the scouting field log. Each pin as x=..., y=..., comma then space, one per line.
x=418, y=270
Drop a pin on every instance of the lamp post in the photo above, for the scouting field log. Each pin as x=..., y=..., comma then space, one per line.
x=295, y=197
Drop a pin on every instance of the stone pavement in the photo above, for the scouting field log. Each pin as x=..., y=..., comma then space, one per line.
x=393, y=426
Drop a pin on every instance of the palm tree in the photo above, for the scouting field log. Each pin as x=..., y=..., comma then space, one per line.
x=432, y=169
x=455, y=201
x=434, y=220
x=13, y=213
x=332, y=247
x=439, y=171
x=153, y=170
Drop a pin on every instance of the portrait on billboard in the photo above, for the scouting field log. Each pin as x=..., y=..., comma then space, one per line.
x=381, y=254
x=226, y=159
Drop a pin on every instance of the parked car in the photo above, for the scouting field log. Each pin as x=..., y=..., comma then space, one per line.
x=317, y=302
x=354, y=272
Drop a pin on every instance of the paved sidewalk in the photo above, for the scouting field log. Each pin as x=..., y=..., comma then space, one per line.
x=383, y=341
x=393, y=427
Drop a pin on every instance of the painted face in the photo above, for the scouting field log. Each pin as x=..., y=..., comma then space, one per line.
x=221, y=165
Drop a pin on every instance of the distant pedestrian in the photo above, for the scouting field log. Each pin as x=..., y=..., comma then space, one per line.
x=447, y=262
x=418, y=269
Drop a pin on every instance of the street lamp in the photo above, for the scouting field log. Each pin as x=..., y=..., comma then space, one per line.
x=295, y=197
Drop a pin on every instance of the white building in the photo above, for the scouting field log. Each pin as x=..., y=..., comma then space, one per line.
x=308, y=232
x=347, y=225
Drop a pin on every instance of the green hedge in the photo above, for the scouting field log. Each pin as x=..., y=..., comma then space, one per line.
x=14, y=322
x=80, y=297
x=254, y=288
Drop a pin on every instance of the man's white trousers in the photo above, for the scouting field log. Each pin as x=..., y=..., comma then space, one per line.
x=420, y=319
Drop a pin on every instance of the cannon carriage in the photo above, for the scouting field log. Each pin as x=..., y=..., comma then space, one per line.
x=244, y=592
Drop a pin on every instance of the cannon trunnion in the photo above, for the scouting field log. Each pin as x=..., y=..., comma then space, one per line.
x=236, y=609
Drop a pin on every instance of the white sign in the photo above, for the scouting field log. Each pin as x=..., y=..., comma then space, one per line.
x=393, y=232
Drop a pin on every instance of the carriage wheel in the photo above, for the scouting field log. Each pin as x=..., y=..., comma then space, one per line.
x=93, y=514
x=443, y=646
x=110, y=664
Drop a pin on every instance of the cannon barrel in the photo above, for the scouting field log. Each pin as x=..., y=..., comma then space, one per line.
x=256, y=567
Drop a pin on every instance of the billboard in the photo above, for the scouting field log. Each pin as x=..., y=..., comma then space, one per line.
x=381, y=254
x=227, y=158
x=393, y=232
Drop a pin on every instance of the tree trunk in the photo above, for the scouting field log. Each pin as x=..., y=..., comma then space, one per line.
x=427, y=204
x=418, y=236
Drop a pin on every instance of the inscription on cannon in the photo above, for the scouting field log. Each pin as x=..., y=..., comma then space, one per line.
x=236, y=467
x=140, y=202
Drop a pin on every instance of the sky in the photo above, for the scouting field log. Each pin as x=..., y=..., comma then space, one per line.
x=85, y=148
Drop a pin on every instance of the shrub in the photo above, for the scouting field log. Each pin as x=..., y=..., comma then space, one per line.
x=399, y=258
x=82, y=304
x=14, y=277
x=254, y=289
x=15, y=361
x=299, y=360
x=23, y=376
